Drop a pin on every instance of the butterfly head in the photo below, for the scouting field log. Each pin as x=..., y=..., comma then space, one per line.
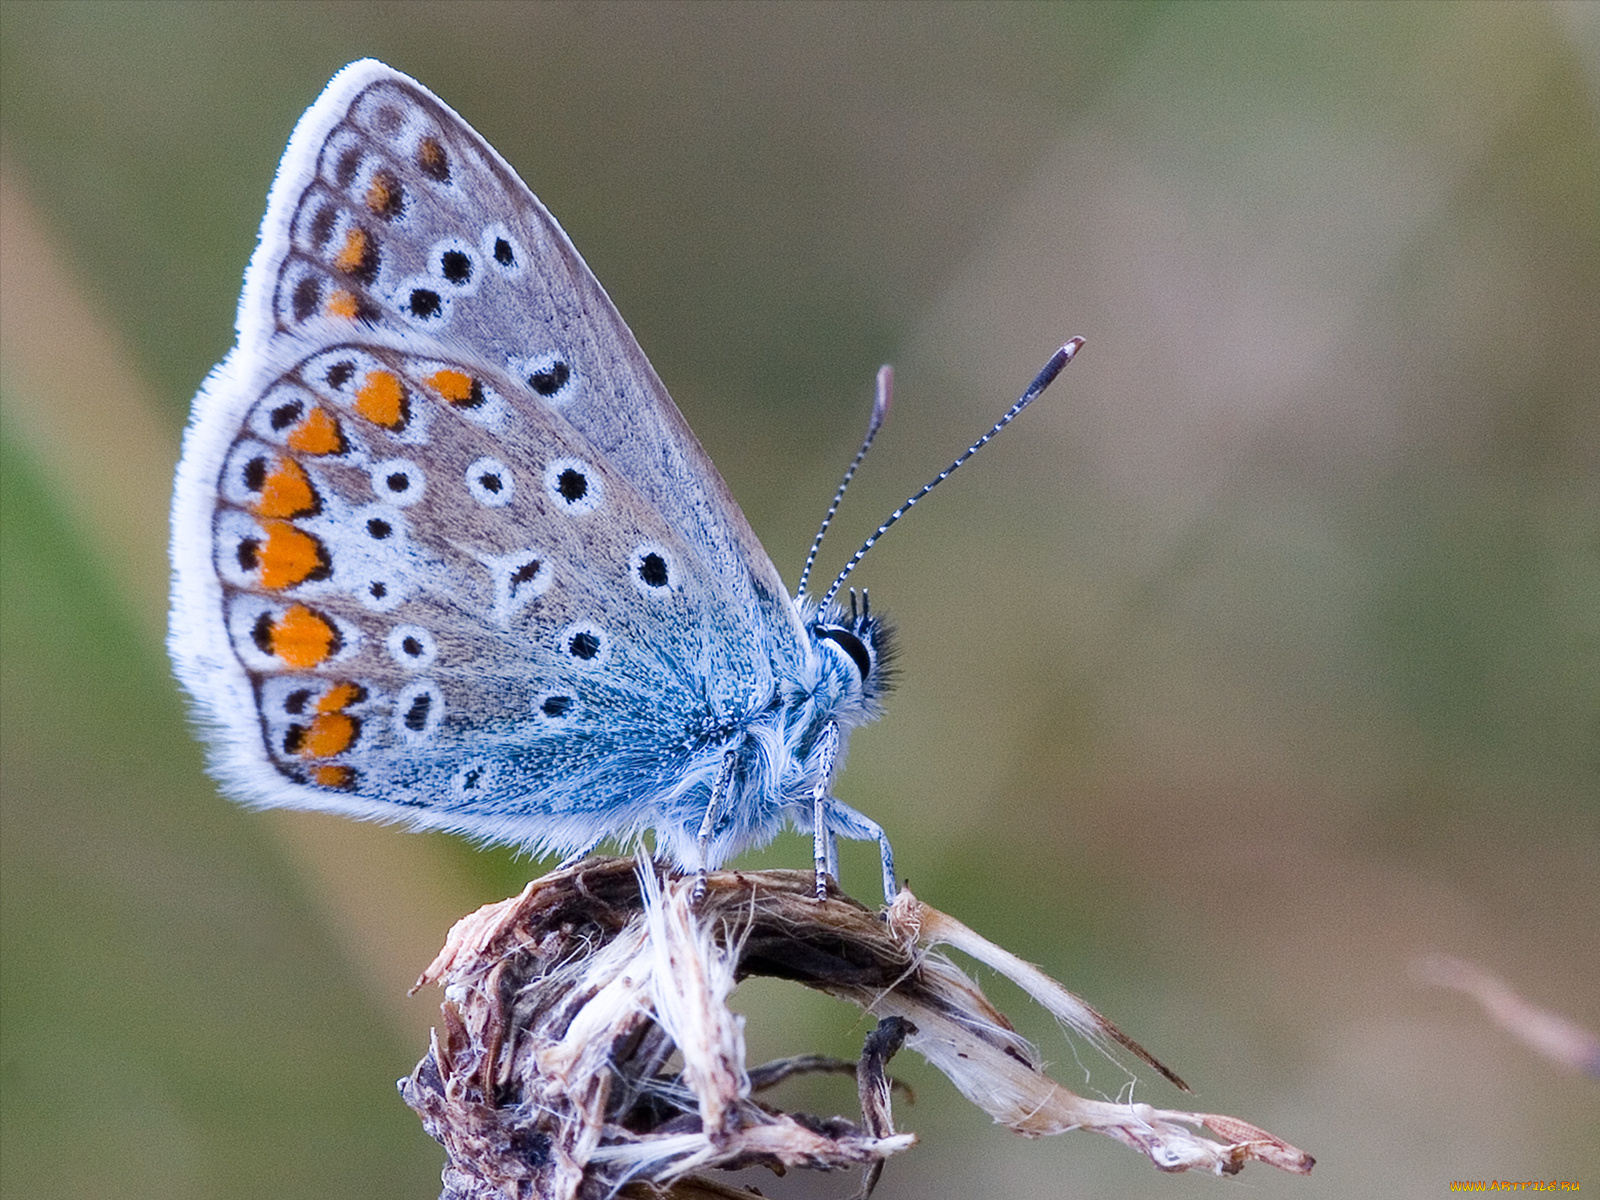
x=856, y=648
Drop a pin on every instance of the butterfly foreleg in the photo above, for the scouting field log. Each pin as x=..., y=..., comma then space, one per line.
x=719, y=792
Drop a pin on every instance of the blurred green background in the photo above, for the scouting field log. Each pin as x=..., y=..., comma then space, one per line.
x=1260, y=657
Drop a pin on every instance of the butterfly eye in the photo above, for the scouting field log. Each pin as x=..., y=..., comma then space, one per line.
x=850, y=644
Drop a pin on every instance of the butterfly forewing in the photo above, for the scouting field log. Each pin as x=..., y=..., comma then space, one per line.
x=397, y=168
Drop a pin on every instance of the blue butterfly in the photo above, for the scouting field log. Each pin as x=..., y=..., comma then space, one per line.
x=446, y=554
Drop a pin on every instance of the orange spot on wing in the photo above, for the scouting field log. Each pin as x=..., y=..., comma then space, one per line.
x=288, y=556
x=303, y=638
x=317, y=433
x=454, y=386
x=356, y=254
x=382, y=400
x=286, y=492
x=343, y=304
x=330, y=733
x=431, y=158
x=384, y=196
x=341, y=695
x=343, y=778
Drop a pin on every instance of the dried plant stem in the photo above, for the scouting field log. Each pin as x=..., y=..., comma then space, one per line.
x=548, y=1077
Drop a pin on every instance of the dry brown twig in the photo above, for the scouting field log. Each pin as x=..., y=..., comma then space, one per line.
x=563, y=1005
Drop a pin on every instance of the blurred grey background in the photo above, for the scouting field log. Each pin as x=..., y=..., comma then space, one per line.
x=1260, y=657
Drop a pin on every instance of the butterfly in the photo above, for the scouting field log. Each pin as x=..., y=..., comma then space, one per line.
x=446, y=554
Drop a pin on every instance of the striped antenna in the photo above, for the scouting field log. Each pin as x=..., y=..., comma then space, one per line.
x=880, y=410
x=1041, y=381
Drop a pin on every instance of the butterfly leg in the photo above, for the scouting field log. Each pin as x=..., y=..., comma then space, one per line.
x=859, y=828
x=824, y=851
x=824, y=845
x=719, y=792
